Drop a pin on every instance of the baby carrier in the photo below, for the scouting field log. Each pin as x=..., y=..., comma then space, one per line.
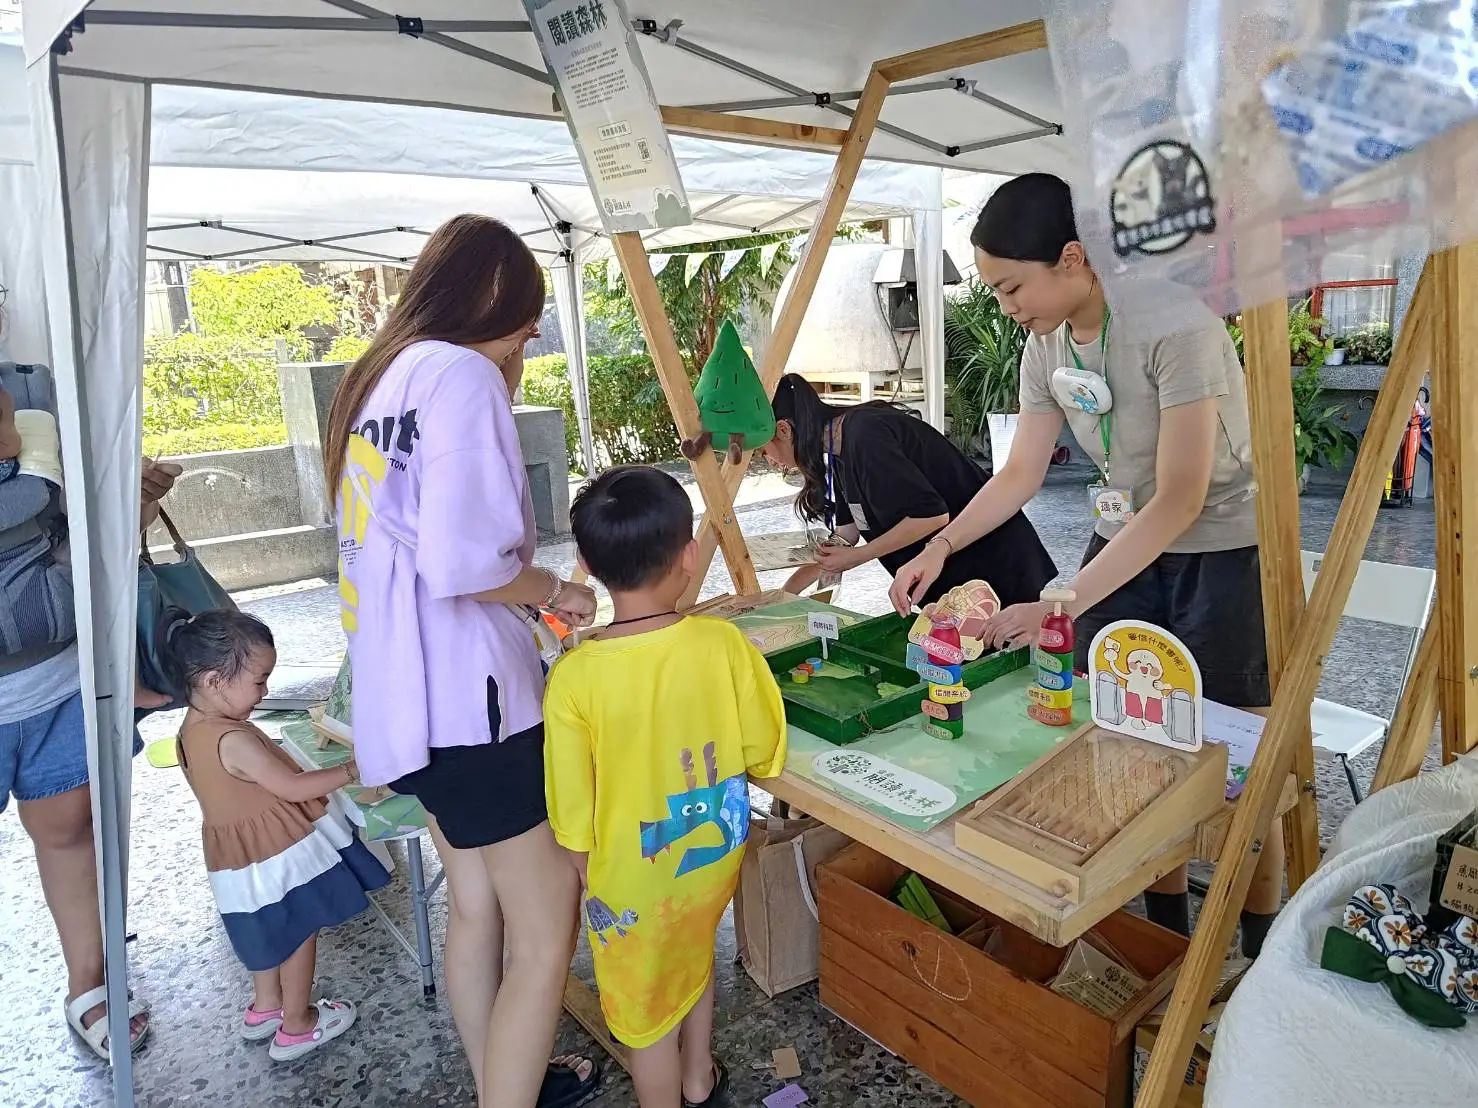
x=37, y=620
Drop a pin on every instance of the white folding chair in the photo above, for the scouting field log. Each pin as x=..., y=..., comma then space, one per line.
x=1398, y=596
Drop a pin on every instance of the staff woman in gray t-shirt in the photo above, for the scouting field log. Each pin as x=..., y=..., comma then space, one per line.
x=1165, y=422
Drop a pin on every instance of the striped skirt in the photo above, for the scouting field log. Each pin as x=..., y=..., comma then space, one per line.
x=272, y=907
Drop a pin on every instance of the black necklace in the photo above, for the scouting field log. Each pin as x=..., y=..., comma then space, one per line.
x=639, y=619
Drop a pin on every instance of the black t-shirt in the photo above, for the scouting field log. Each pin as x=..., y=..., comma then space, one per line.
x=894, y=466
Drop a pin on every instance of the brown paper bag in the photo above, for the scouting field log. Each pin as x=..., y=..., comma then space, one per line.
x=775, y=917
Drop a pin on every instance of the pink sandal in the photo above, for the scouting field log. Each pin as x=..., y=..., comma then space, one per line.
x=257, y=1026
x=334, y=1018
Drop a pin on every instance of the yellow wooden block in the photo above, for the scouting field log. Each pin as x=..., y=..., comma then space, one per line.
x=949, y=694
x=1050, y=698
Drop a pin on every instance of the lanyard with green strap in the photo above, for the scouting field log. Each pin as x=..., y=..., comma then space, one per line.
x=1106, y=419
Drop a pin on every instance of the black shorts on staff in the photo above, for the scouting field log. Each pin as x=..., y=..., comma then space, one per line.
x=484, y=794
x=1212, y=602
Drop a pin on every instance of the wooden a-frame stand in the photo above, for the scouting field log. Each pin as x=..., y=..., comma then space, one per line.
x=1441, y=326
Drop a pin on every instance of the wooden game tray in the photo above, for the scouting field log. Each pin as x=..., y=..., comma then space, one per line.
x=1090, y=810
x=844, y=728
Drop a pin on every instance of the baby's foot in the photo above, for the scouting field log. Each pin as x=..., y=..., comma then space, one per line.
x=333, y=1018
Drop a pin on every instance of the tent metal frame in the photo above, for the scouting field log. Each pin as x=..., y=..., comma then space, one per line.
x=712, y=119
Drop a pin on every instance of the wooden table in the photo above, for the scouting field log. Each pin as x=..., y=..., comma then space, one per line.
x=933, y=855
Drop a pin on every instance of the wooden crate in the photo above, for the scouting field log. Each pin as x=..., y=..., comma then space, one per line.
x=1085, y=814
x=985, y=1026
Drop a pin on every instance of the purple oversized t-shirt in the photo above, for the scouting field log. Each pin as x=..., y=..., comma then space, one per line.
x=435, y=506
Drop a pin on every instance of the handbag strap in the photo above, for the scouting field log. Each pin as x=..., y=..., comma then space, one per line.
x=181, y=547
x=798, y=845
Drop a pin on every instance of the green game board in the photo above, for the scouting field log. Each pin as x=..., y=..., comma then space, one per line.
x=917, y=781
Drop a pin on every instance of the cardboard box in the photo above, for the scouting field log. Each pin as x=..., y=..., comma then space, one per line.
x=973, y=1009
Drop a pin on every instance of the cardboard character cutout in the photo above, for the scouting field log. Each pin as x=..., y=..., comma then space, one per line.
x=732, y=404
x=1145, y=684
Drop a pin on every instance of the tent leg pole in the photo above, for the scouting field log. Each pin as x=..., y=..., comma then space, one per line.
x=1270, y=408
x=1290, y=711
x=1455, y=461
x=673, y=375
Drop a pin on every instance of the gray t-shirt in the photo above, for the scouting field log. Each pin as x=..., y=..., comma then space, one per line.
x=1145, y=378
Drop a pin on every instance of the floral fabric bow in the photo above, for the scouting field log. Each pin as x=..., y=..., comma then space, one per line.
x=1433, y=976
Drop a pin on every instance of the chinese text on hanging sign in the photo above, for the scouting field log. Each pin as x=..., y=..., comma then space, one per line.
x=612, y=112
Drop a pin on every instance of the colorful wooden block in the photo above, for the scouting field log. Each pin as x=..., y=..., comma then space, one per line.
x=944, y=729
x=935, y=710
x=1052, y=717
x=1053, y=663
x=949, y=694
x=1050, y=698
x=1056, y=682
x=938, y=675
x=941, y=653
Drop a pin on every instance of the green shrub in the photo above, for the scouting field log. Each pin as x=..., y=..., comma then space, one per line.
x=263, y=302
x=220, y=436
x=346, y=348
x=193, y=381
x=629, y=420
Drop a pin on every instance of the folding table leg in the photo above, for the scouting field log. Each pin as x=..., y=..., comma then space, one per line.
x=420, y=908
x=1350, y=777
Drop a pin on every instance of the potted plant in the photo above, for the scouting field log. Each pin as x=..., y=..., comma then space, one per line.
x=1306, y=345
x=1370, y=345
x=1320, y=437
x=983, y=368
x=1336, y=354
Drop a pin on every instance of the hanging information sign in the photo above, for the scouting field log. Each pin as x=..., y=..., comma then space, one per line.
x=612, y=112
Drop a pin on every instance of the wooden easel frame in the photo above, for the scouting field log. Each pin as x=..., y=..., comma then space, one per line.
x=1441, y=325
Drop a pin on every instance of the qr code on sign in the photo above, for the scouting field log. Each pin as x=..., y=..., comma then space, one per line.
x=644, y=150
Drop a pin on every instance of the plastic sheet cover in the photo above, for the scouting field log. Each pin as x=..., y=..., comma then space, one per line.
x=1228, y=147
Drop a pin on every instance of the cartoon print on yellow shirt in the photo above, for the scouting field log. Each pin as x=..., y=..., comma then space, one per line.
x=725, y=804
x=364, y=469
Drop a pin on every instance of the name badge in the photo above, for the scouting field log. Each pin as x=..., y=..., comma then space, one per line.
x=1110, y=504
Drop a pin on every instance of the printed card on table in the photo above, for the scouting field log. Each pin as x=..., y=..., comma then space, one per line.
x=1145, y=684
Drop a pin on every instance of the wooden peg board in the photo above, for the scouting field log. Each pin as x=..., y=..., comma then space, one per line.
x=1084, y=815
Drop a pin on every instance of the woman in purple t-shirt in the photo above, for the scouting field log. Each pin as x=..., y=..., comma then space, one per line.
x=439, y=594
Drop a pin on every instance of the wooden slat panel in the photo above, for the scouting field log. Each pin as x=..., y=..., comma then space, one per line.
x=1011, y=1070
x=1455, y=481
x=1290, y=710
x=921, y=1044
x=752, y=129
x=1065, y=1034
x=949, y=56
x=1270, y=410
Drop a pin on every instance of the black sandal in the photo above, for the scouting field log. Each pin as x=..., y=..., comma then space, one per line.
x=715, y=1095
x=563, y=1087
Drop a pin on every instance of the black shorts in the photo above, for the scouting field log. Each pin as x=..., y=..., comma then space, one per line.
x=484, y=794
x=1212, y=602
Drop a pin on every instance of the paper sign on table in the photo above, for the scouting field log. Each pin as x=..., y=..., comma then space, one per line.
x=1460, y=890
x=787, y=1097
x=824, y=626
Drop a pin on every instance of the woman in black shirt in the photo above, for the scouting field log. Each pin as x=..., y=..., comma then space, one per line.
x=873, y=472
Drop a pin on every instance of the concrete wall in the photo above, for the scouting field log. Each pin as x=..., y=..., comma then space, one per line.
x=251, y=525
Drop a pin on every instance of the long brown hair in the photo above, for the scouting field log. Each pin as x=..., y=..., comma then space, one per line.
x=475, y=281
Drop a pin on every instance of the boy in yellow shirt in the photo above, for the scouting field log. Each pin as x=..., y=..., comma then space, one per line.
x=651, y=731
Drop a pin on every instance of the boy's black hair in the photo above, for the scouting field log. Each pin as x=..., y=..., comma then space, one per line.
x=631, y=524
x=218, y=643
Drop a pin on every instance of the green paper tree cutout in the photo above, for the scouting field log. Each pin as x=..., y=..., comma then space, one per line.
x=732, y=404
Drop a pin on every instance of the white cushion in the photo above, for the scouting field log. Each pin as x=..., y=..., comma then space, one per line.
x=1339, y=729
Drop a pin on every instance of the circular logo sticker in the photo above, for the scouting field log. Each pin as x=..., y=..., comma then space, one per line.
x=1161, y=199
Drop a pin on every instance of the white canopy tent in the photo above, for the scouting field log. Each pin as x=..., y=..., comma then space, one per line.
x=93, y=72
